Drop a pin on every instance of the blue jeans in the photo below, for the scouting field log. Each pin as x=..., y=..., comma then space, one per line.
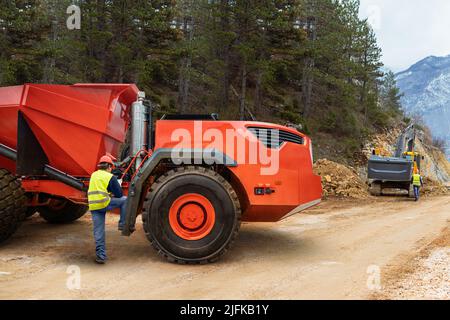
x=98, y=219
x=417, y=192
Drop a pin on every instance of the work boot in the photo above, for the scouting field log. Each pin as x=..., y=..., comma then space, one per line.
x=100, y=260
x=132, y=229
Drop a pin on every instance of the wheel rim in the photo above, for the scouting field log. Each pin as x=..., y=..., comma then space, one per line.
x=192, y=217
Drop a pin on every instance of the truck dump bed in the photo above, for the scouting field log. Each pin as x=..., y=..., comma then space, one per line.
x=68, y=127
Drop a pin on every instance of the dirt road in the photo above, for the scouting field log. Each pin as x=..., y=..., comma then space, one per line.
x=331, y=252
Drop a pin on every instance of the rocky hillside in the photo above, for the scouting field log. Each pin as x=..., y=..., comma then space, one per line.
x=436, y=167
x=426, y=89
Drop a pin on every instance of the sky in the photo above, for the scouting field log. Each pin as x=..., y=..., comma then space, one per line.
x=409, y=30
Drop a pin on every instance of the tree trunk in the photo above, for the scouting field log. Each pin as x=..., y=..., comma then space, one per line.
x=363, y=101
x=50, y=63
x=258, y=91
x=120, y=39
x=184, y=84
x=243, y=91
x=364, y=91
x=225, y=86
x=186, y=64
x=101, y=26
x=120, y=74
x=225, y=57
x=307, y=86
x=90, y=42
x=309, y=63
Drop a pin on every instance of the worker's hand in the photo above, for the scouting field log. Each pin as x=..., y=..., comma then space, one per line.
x=120, y=181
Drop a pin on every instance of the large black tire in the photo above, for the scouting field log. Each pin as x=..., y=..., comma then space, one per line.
x=66, y=212
x=12, y=204
x=200, y=182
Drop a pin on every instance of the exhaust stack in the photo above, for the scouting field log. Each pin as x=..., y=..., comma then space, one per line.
x=139, y=127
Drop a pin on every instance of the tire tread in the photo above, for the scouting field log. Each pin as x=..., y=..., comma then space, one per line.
x=12, y=205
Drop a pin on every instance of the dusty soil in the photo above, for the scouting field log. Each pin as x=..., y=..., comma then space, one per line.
x=425, y=276
x=331, y=252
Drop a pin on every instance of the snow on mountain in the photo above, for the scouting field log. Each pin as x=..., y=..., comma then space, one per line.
x=426, y=89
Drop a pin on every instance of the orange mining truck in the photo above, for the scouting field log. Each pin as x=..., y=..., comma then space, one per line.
x=193, y=178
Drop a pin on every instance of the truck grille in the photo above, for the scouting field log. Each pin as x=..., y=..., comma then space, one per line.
x=274, y=138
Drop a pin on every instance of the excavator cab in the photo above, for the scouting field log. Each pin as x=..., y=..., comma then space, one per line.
x=416, y=158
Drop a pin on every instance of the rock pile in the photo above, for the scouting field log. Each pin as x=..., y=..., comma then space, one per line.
x=339, y=180
x=434, y=188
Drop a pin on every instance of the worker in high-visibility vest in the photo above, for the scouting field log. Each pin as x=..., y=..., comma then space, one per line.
x=417, y=182
x=102, y=184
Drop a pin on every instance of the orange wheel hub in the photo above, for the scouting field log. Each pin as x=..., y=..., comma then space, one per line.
x=192, y=217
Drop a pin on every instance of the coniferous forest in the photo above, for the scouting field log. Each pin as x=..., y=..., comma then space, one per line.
x=308, y=62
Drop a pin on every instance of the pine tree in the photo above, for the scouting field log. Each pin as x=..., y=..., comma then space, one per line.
x=313, y=62
x=23, y=25
x=390, y=93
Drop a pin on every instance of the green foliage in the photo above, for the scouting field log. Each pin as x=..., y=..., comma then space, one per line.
x=309, y=62
x=351, y=145
x=407, y=120
x=378, y=118
x=390, y=94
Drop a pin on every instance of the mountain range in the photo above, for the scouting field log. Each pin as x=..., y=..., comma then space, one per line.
x=426, y=92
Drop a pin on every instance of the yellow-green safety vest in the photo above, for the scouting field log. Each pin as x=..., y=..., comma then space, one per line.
x=416, y=180
x=98, y=195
